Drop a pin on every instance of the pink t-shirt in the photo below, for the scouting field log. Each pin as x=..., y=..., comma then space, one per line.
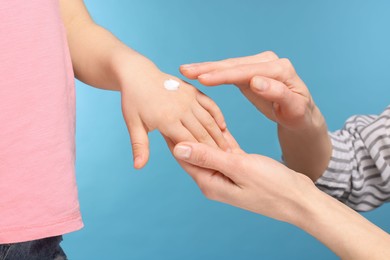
x=38, y=193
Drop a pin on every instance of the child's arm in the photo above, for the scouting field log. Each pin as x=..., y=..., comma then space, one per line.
x=101, y=60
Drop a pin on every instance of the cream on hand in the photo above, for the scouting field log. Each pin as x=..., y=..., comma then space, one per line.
x=171, y=84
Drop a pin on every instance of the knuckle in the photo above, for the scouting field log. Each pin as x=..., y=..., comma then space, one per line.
x=286, y=64
x=208, y=192
x=280, y=90
x=239, y=70
x=203, y=136
x=201, y=95
x=232, y=61
x=169, y=118
x=215, y=112
x=287, y=67
x=239, y=163
x=209, y=124
x=208, y=103
x=137, y=146
x=201, y=158
x=203, y=186
x=301, y=111
x=279, y=68
x=270, y=55
x=211, y=103
x=309, y=104
x=216, y=108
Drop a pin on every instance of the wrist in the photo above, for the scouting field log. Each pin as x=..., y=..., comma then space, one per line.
x=314, y=123
x=130, y=68
x=307, y=150
x=303, y=200
x=309, y=197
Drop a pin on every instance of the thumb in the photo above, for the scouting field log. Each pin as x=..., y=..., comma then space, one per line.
x=208, y=157
x=272, y=90
x=140, y=145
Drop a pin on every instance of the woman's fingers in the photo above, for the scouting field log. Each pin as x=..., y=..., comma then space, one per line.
x=272, y=90
x=289, y=107
x=231, y=165
x=213, y=184
x=281, y=70
x=192, y=71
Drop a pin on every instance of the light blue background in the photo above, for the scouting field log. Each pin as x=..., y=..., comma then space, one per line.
x=339, y=48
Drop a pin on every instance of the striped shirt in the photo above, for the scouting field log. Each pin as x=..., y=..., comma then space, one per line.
x=358, y=173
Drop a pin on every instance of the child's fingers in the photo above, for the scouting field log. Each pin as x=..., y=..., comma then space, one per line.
x=192, y=71
x=211, y=107
x=191, y=122
x=140, y=144
x=177, y=133
x=232, y=142
x=210, y=125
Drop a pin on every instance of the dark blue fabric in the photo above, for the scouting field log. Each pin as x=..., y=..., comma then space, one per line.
x=41, y=249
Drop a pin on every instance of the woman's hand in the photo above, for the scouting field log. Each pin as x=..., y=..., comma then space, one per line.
x=269, y=82
x=276, y=90
x=264, y=186
x=249, y=181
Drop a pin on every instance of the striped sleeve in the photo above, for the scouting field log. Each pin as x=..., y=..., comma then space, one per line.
x=358, y=173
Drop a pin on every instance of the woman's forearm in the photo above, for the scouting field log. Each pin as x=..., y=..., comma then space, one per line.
x=341, y=229
x=307, y=150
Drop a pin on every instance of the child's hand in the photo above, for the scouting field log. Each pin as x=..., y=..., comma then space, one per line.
x=180, y=115
x=270, y=83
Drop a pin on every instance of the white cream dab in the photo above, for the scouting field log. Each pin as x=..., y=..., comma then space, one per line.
x=171, y=84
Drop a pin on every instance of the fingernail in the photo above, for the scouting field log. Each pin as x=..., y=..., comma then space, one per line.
x=137, y=161
x=260, y=84
x=182, y=152
x=187, y=66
